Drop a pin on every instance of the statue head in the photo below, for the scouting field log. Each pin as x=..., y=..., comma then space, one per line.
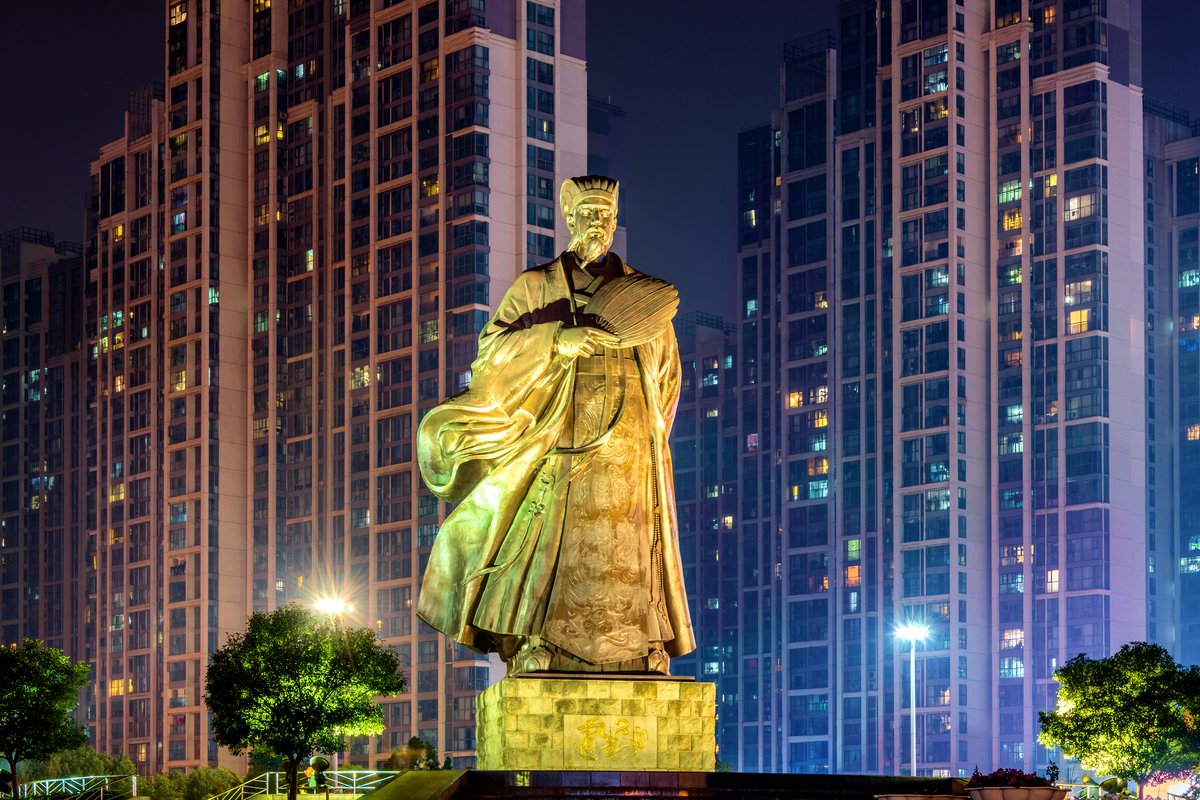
x=589, y=205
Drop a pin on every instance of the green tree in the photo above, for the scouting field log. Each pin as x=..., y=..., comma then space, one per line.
x=417, y=754
x=39, y=689
x=199, y=784
x=77, y=761
x=1132, y=714
x=297, y=682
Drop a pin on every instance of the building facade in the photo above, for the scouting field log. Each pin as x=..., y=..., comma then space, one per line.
x=1172, y=213
x=42, y=523
x=290, y=254
x=944, y=405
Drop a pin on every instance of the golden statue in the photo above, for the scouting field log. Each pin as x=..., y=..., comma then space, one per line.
x=563, y=553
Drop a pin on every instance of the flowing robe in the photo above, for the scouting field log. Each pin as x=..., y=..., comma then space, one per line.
x=497, y=449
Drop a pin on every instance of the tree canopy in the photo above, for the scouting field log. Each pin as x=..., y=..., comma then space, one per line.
x=297, y=682
x=77, y=761
x=199, y=784
x=39, y=688
x=1132, y=714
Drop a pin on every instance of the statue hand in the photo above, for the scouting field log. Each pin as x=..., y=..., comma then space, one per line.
x=582, y=341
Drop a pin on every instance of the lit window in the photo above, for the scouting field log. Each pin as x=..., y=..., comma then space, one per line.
x=1050, y=186
x=118, y=234
x=1081, y=207
x=308, y=260
x=1189, y=278
x=1012, y=220
x=751, y=442
x=853, y=549
x=728, y=522
x=117, y=492
x=179, y=222
x=360, y=377
x=261, y=5
x=1010, y=192
x=428, y=332
x=795, y=400
x=1012, y=638
x=1079, y=320
x=820, y=300
x=178, y=13
x=819, y=418
x=712, y=412
x=1011, y=555
x=1193, y=433
x=1012, y=668
x=214, y=295
x=260, y=428
x=179, y=380
x=818, y=466
x=1011, y=443
x=1078, y=292
x=852, y=575
x=260, y=82
x=116, y=687
x=819, y=394
x=430, y=186
x=262, y=134
x=118, y=383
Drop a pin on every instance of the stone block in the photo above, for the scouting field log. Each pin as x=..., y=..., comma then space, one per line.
x=596, y=724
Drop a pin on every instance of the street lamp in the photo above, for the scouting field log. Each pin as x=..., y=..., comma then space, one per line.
x=912, y=632
x=333, y=606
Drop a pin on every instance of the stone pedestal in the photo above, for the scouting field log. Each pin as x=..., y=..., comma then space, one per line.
x=572, y=723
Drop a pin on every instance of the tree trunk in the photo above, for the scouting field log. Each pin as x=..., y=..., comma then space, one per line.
x=12, y=771
x=293, y=769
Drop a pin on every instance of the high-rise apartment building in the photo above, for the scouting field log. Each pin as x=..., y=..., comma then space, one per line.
x=42, y=531
x=943, y=390
x=704, y=457
x=1172, y=214
x=290, y=254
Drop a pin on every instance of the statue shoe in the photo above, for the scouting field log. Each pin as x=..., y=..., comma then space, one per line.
x=658, y=661
x=530, y=659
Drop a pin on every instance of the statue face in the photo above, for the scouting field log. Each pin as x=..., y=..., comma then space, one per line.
x=592, y=223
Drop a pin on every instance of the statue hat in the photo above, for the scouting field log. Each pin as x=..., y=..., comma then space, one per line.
x=586, y=187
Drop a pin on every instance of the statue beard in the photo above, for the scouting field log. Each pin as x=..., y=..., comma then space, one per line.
x=588, y=245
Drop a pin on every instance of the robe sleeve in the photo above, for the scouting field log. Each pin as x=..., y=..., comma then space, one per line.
x=513, y=376
x=667, y=374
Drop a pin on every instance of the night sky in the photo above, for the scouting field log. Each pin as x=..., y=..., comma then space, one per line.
x=689, y=75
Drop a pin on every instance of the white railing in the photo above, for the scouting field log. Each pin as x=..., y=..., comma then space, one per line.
x=92, y=785
x=339, y=782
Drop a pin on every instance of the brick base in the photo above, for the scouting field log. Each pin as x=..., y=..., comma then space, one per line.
x=537, y=723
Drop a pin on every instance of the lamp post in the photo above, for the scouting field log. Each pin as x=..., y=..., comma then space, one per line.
x=334, y=607
x=912, y=633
